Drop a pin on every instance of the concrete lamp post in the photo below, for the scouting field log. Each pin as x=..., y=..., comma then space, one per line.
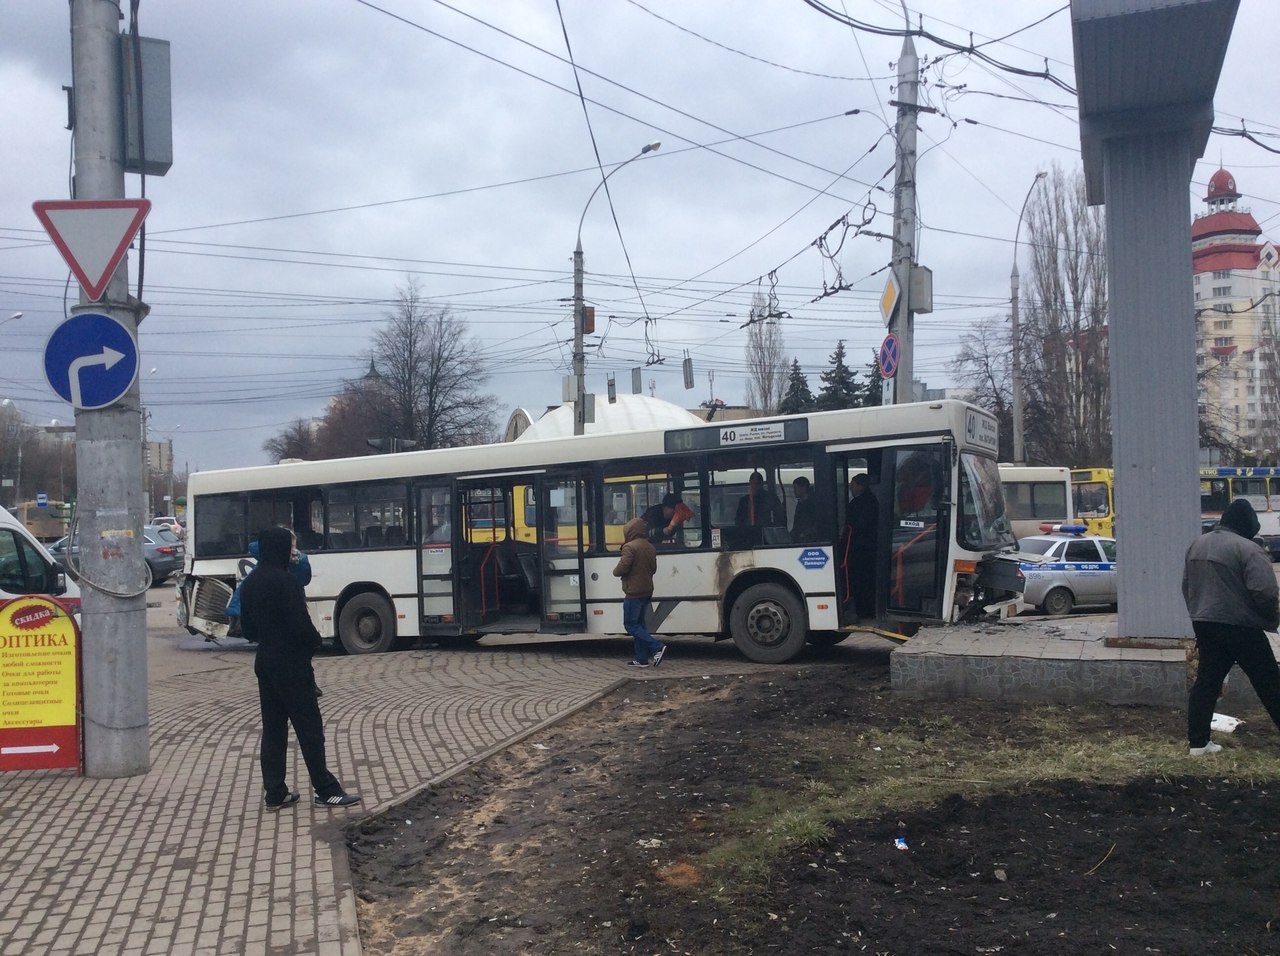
x=1019, y=453
x=579, y=356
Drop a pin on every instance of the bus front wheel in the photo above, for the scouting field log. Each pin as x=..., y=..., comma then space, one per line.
x=367, y=624
x=768, y=624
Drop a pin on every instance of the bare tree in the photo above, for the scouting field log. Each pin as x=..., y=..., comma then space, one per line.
x=356, y=414
x=766, y=363
x=1066, y=373
x=431, y=372
x=298, y=440
x=982, y=366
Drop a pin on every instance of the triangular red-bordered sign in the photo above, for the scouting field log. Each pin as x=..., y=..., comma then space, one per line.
x=92, y=235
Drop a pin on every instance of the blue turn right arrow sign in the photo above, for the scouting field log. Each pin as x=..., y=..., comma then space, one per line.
x=91, y=360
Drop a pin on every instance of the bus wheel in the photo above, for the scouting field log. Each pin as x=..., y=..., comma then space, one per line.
x=768, y=624
x=367, y=624
x=826, y=638
x=1057, y=601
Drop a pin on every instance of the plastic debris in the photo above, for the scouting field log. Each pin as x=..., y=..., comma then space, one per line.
x=901, y=843
x=1224, y=724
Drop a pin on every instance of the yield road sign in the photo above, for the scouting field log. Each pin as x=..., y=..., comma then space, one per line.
x=889, y=353
x=91, y=360
x=92, y=235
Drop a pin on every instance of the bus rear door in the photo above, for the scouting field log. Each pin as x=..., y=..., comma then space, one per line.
x=563, y=529
x=435, y=559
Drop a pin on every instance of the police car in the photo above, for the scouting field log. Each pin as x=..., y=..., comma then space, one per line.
x=1062, y=568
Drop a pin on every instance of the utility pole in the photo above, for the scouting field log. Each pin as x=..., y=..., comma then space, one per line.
x=108, y=440
x=904, y=215
x=579, y=352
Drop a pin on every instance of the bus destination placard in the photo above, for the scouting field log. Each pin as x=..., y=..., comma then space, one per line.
x=39, y=686
x=737, y=435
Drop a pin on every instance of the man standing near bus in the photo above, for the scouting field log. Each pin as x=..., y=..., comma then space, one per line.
x=636, y=566
x=274, y=614
x=1233, y=598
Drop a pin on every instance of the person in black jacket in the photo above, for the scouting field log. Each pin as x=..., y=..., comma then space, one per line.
x=273, y=612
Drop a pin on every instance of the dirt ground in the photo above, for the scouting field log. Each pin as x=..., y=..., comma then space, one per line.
x=615, y=832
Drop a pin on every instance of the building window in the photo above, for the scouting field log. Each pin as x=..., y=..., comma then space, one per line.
x=1197, y=280
x=1221, y=291
x=1222, y=324
x=1223, y=340
x=1222, y=273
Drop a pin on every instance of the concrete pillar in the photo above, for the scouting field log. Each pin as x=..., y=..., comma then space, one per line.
x=1153, y=381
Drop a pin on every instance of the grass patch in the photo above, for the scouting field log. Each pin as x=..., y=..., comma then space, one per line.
x=809, y=779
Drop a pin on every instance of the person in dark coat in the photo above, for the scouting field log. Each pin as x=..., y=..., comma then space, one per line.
x=1233, y=599
x=804, y=523
x=273, y=613
x=862, y=523
x=759, y=507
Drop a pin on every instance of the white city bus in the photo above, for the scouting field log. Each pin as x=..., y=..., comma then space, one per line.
x=522, y=537
x=1035, y=495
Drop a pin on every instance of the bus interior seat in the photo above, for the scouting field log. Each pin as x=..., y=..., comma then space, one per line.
x=529, y=566
x=395, y=536
x=309, y=540
x=776, y=535
x=374, y=536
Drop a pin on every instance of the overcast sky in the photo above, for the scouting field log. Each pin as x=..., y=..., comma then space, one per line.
x=327, y=150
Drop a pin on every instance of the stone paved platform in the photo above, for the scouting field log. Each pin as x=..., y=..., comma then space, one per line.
x=1063, y=660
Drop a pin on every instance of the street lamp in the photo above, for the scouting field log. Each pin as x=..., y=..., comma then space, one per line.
x=1016, y=360
x=12, y=318
x=579, y=356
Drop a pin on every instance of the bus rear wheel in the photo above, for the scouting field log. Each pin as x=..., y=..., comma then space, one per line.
x=367, y=624
x=768, y=624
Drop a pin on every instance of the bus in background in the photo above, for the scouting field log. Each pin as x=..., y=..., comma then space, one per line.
x=1035, y=495
x=1259, y=486
x=521, y=538
x=47, y=523
x=1093, y=497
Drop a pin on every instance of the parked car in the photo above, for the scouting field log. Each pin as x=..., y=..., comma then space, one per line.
x=1065, y=569
x=174, y=524
x=26, y=567
x=161, y=548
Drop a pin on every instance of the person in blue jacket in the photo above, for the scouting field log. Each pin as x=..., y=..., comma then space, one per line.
x=299, y=567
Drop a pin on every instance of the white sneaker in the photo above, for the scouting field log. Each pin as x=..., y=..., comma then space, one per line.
x=1209, y=748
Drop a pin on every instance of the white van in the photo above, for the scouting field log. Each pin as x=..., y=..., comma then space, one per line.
x=27, y=568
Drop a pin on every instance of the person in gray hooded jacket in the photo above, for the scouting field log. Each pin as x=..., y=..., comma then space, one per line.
x=1233, y=599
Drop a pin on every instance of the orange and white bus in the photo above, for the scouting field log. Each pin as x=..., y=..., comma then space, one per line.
x=522, y=537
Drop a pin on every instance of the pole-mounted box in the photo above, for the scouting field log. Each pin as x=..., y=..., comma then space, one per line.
x=147, y=100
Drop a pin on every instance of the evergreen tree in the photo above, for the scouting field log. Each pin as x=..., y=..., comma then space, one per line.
x=873, y=389
x=839, y=384
x=797, y=398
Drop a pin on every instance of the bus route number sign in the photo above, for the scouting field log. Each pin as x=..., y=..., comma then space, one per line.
x=751, y=434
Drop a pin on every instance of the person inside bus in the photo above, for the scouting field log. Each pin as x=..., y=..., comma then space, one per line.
x=663, y=521
x=861, y=527
x=804, y=522
x=274, y=616
x=759, y=507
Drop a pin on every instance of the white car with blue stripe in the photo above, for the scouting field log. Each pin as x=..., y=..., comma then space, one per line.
x=1064, y=569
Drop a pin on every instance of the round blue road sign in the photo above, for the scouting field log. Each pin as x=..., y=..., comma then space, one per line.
x=91, y=360
x=889, y=355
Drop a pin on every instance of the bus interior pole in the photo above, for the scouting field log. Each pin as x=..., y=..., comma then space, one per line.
x=108, y=441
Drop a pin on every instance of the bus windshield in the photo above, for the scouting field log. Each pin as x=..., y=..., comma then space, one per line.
x=983, y=521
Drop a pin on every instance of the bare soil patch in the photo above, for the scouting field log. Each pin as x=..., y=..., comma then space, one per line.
x=762, y=815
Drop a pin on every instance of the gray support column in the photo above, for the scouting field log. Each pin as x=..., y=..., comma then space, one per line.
x=108, y=444
x=1152, y=344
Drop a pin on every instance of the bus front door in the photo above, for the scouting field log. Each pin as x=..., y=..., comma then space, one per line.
x=435, y=564
x=562, y=540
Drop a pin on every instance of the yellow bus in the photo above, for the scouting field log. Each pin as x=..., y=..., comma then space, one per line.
x=47, y=522
x=1259, y=486
x=1093, y=496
